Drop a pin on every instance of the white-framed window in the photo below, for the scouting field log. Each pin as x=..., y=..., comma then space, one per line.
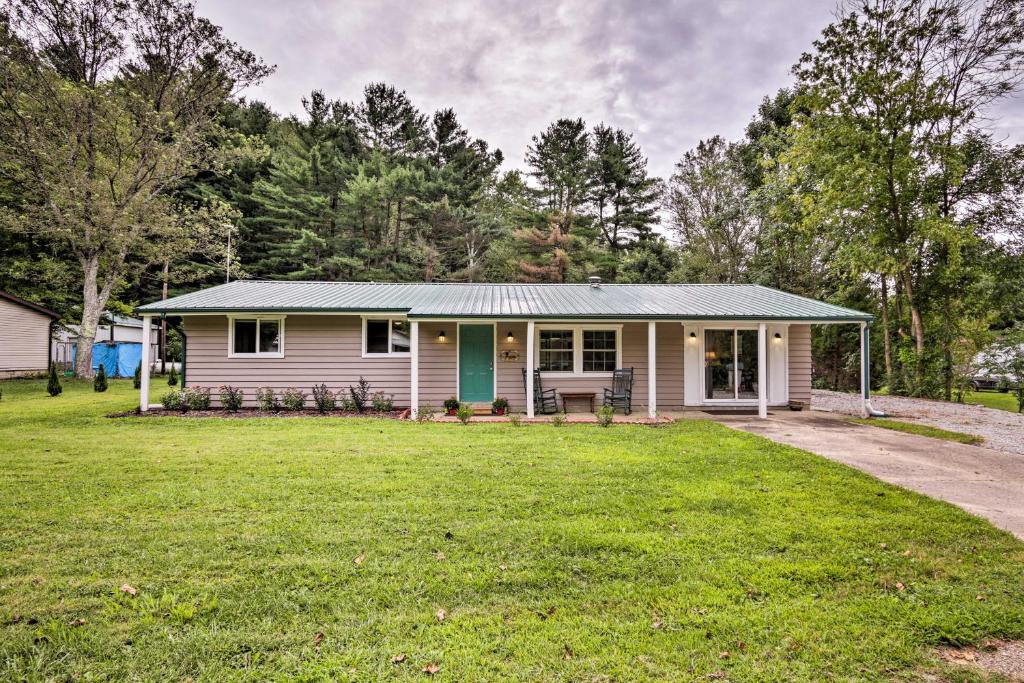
x=385, y=337
x=256, y=336
x=579, y=349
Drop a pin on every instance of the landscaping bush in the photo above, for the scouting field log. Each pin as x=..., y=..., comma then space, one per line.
x=293, y=399
x=323, y=399
x=347, y=404
x=425, y=413
x=515, y=419
x=360, y=394
x=605, y=416
x=171, y=400
x=382, y=403
x=464, y=413
x=195, y=398
x=137, y=377
x=100, y=383
x=53, y=386
x=558, y=419
x=172, y=378
x=267, y=400
x=231, y=398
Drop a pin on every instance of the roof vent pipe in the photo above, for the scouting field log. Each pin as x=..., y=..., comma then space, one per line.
x=595, y=281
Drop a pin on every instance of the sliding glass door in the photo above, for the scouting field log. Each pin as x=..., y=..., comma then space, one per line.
x=731, y=359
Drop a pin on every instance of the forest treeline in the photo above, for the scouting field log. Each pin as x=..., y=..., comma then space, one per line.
x=130, y=168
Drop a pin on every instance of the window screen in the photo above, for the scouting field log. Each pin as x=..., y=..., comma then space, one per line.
x=399, y=336
x=245, y=336
x=598, y=350
x=270, y=336
x=556, y=350
x=377, y=336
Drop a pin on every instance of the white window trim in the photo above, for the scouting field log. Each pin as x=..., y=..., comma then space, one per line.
x=389, y=353
x=577, y=348
x=257, y=354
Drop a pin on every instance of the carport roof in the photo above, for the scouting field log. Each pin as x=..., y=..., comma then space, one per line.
x=516, y=301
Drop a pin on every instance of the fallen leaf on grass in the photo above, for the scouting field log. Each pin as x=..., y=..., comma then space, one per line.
x=125, y=588
x=398, y=659
x=566, y=652
x=318, y=638
x=724, y=654
x=716, y=676
x=439, y=555
x=658, y=623
x=441, y=614
x=359, y=559
x=431, y=669
x=900, y=586
x=78, y=622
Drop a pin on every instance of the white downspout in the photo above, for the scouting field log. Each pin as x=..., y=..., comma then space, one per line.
x=865, y=373
x=762, y=371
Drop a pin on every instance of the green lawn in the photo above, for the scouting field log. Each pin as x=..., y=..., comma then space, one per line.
x=321, y=549
x=994, y=399
x=919, y=429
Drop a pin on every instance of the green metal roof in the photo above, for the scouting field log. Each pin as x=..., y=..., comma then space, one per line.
x=522, y=301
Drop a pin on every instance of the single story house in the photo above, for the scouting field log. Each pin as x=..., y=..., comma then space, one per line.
x=25, y=331
x=690, y=346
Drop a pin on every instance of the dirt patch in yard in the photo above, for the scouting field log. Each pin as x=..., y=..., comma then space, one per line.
x=1005, y=657
x=250, y=413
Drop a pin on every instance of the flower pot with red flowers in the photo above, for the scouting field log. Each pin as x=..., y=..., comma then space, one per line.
x=451, y=405
x=499, y=406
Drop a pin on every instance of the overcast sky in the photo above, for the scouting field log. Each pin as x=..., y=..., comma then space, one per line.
x=669, y=72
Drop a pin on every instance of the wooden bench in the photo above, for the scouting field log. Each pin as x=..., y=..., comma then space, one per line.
x=577, y=396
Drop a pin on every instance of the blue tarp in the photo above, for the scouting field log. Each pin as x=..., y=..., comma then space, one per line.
x=119, y=359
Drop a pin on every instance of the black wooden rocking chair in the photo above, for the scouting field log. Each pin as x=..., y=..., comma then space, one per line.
x=621, y=393
x=545, y=402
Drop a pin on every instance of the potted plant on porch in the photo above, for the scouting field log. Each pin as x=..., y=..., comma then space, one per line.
x=499, y=406
x=451, y=405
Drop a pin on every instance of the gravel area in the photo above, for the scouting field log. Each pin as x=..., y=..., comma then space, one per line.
x=1001, y=429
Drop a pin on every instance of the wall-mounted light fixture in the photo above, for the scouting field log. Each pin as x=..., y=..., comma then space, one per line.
x=693, y=337
x=778, y=338
x=511, y=339
x=441, y=339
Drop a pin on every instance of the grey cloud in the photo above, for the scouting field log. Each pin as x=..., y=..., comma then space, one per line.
x=671, y=72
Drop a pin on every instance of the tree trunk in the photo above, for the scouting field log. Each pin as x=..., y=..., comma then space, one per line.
x=94, y=300
x=886, y=334
x=916, y=325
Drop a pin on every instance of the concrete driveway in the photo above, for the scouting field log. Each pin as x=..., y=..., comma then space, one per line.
x=982, y=481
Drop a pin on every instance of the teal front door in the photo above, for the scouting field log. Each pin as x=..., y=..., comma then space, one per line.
x=476, y=363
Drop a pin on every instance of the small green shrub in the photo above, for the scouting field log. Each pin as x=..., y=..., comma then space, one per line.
x=323, y=399
x=464, y=413
x=382, y=403
x=605, y=416
x=293, y=399
x=195, y=398
x=425, y=413
x=53, y=386
x=171, y=400
x=172, y=378
x=100, y=383
x=558, y=419
x=347, y=404
x=137, y=377
x=231, y=398
x=360, y=394
x=515, y=419
x=1003, y=386
x=267, y=400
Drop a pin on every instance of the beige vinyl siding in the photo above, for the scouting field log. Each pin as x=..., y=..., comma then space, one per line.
x=317, y=349
x=438, y=363
x=800, y=363
x=24, y=340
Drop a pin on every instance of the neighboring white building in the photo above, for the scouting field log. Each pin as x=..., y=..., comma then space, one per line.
x=113, y=328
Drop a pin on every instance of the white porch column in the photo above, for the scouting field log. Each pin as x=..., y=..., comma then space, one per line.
x=530, y=365
x=865, y=370
x=652, y=370
x=414, y=367
x=762, y=371
x=147, y=324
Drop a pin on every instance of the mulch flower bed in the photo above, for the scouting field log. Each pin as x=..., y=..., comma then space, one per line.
x=250, y=413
